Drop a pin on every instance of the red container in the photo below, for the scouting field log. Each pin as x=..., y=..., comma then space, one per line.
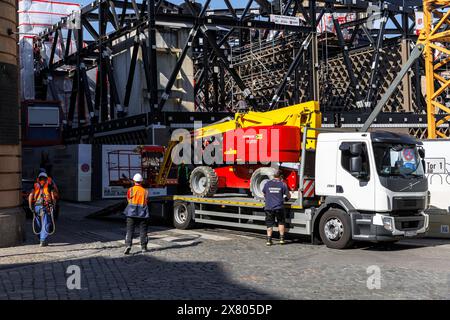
x=262, y=145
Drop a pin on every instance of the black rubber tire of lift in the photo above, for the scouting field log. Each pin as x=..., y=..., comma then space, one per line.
x=269, y=172
x=212, y=181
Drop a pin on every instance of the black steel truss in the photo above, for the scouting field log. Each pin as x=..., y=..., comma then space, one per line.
x=222, y=31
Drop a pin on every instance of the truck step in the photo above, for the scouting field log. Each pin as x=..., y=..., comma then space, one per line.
x=363, y=221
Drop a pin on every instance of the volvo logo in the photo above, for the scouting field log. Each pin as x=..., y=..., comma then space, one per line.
x=410, y=186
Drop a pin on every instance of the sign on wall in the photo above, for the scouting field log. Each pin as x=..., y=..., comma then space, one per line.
x=119, y=164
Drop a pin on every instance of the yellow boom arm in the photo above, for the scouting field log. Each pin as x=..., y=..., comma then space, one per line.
x=299, y=115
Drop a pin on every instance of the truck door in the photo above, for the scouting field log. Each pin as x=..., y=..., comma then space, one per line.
x=357, y=187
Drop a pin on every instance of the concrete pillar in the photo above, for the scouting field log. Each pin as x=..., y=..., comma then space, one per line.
x=12, y=217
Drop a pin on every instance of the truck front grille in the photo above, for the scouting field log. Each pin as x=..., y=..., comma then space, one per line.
x=408, y=204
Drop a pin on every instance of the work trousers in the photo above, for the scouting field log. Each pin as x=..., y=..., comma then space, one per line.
x=43, y=222
x=143, y=229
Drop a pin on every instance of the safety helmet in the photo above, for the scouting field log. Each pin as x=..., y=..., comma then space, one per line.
x=137, y=177
x=42, y=175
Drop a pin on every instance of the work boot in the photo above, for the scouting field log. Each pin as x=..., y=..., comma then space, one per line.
x=127, y=250
x=282, y=240
x=269, y=241
x=44, y=243
x=144, y=248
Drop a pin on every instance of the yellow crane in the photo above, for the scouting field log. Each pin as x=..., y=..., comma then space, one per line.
x=436, y=39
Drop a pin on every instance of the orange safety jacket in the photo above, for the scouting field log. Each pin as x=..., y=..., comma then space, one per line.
x=52, y=184
x=41, y=193
x=137, y=203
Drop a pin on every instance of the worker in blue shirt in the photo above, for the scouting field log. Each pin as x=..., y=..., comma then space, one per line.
x=275, y=192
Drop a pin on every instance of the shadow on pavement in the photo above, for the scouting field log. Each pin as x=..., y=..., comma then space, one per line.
x=131, y=277
x=402, y=244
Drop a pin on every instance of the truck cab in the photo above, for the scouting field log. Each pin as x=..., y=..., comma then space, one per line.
x=372, y=184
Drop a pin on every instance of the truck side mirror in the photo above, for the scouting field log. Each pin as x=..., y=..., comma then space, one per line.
x=356, y=166
x=422, y=153
x=356, y=149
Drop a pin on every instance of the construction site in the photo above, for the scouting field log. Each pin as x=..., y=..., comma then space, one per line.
x=313, y=133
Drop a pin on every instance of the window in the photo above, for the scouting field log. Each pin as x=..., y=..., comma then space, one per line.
x=346, y=156
x=397, y=160
x=43, y=117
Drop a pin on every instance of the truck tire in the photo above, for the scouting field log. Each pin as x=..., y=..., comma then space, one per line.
x=203, y=182
x=183, y=215
x=335, y=229
x=259, y=179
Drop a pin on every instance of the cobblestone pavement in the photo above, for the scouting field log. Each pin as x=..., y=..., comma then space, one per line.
x=214, y=264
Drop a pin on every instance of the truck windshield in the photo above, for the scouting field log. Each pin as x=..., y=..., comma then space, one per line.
x=398, y=160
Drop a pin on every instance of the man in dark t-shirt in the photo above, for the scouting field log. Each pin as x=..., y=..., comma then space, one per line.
x=275, y=191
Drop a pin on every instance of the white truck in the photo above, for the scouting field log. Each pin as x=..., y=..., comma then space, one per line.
x=368, y=187
x=372, y=184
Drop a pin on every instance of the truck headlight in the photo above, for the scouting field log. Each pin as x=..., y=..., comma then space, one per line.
x=388, y=223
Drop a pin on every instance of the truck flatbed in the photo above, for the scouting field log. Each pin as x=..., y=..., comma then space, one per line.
x=232, y=210
x=229, y=199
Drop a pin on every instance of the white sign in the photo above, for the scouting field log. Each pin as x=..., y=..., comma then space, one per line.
x=285, y=20
x=438, y=172
x=419, y=22
x=435, y=165
x=119, y=163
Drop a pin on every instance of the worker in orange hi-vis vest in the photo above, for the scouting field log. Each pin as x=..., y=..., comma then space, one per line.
x=41, y=202
x=137, y=212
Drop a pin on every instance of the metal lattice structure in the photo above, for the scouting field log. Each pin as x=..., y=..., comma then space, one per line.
x=116, y=25
x=336, y=93
x=348, y=81
x=241, y=55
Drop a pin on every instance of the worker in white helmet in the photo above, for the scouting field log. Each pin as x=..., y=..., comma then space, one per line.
x=137, y=212
x=41, y=201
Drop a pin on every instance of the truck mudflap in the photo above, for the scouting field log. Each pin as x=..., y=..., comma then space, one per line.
x=381, y=227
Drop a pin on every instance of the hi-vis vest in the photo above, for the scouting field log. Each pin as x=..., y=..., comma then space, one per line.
x=137, y=203
x=53, y=186
x=40, y=192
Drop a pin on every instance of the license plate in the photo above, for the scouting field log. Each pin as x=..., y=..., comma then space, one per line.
x=411, y=233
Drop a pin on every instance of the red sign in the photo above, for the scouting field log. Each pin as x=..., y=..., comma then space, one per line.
x=408, y=154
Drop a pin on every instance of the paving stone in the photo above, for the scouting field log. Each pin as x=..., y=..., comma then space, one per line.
x=215, y=264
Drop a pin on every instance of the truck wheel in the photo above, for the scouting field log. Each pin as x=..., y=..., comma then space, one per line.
x=183, y=215
x=259, y=179
x=335, y=229
x=203, y=182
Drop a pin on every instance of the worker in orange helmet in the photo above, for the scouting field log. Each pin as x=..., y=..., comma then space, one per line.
x=137, y=212
x=41, y=201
